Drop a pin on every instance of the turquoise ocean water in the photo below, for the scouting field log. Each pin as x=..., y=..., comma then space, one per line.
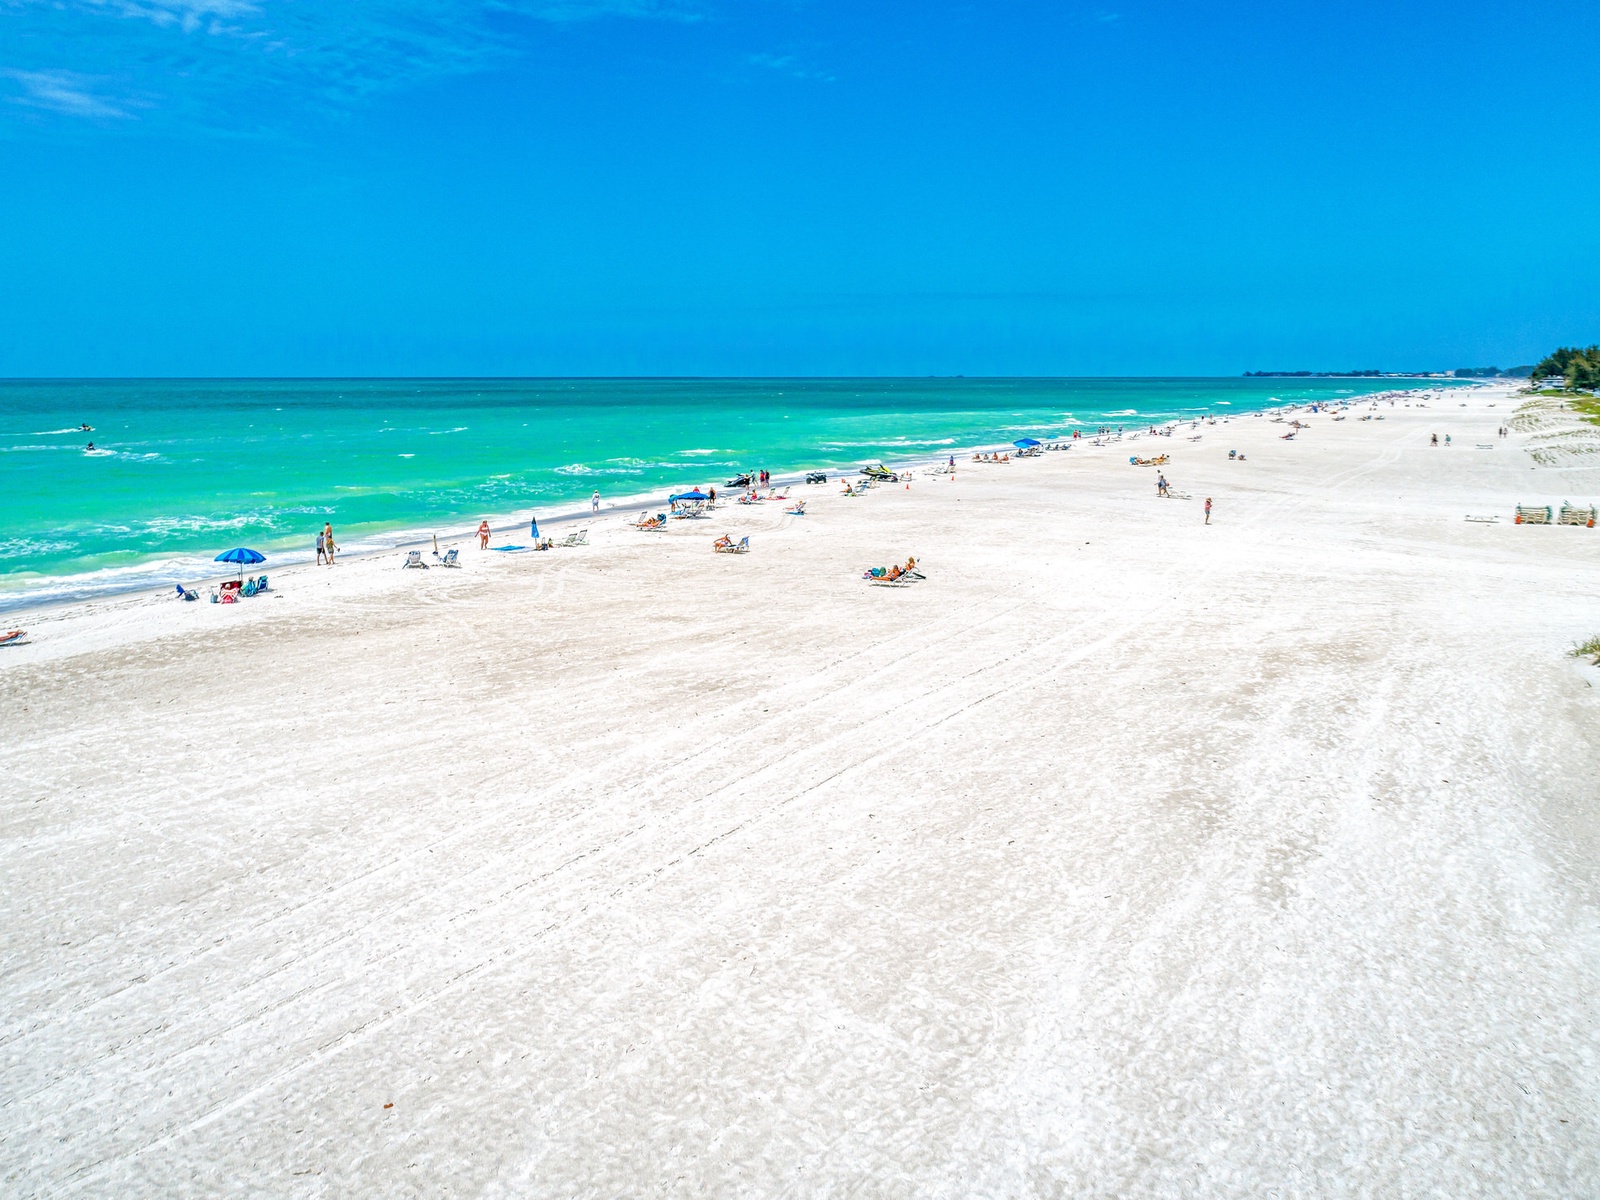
x=185, y=469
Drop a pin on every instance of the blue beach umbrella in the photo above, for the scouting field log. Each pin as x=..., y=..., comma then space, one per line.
x=1024, y=443
x=697, y=494
x=533, y=530
x=241, y=555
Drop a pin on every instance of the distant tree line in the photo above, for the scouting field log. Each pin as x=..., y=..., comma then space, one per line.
x=1313, y=374
x=1580, y=368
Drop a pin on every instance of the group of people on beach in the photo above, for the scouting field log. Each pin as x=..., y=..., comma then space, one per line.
x=325, y=546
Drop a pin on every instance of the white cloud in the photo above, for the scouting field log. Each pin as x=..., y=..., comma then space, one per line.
x=63, y=92
x=790, y=65
x=196, y=59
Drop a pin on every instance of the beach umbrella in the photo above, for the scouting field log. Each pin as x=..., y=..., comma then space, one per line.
x=1024, y=443
x=697, y=494
x=533, y=530
x=242, y=556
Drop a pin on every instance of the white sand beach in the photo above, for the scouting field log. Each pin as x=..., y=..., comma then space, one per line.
x=1122, y=856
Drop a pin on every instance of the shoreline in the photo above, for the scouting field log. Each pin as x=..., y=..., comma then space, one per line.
x=405, y=538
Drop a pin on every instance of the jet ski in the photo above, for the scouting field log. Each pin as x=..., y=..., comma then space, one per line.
x=880, y=473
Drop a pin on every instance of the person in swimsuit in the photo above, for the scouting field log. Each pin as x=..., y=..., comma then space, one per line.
x=322, y=553
x=483, y=535
x=327, y=535
x=1208, y=510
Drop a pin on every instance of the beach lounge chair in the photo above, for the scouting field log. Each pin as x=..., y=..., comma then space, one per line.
x=450, y=557
x=726, y=545
x=1528, y=514
x=581, y=538
x=261, y=584
x=249, y=588
x=15, y=637
x=799, y=509
x=185, y=594
x=1575, y=516
x=414, y=559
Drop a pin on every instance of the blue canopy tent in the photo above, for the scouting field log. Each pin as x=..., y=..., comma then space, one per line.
x=242, y=556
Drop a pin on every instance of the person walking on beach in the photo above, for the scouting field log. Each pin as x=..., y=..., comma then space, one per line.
x=1161, y=486
x=594, y=501
x=1208, y=510
x=327, y=536
x=712, y=493
x=1434, y=441
x=483, y=534
x=322, y=551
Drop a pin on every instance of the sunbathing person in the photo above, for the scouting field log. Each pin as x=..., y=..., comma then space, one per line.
x=722, y=541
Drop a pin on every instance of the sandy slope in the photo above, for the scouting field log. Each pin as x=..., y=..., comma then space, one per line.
x=1124, y=856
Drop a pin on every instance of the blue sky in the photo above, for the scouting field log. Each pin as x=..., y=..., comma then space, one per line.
x=223, y=187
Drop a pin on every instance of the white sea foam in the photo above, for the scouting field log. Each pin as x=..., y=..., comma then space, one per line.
x=25, y=547
x=18, y=590
x=196, y=524
x=688, y=452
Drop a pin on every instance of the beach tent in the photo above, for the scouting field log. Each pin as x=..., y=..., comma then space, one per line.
x=242, y=556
